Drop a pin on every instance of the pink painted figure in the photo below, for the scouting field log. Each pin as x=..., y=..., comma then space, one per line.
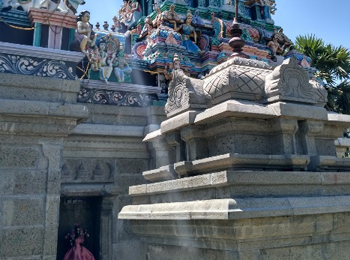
x=78, y=252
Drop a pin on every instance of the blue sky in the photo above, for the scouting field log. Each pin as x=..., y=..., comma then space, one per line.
x=329, y=20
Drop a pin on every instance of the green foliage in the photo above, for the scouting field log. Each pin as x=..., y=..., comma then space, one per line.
x=333, y=65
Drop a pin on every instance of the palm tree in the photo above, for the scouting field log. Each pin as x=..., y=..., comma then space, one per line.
x=333, y=65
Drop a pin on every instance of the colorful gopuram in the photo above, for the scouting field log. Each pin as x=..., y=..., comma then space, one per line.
x=135, y=51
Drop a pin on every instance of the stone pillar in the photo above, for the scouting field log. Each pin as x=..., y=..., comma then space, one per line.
x=174, y=140
x=306, y=136
x=196, y=144
x=283, y=131
x=106, y=228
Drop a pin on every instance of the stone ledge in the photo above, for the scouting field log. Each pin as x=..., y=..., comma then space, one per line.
x=234, y=108
x=38, y=52
x=41, y=108
x=39, y=83
x=330, y=163
x=162, y=173
x=226, y=178
x=281, y=109
x=224, y=209
x=250, y=109
x=109, y=130
x=243, y=161
x=343, y=142
x=178, y=121
x=339, y=118
x=153, y=136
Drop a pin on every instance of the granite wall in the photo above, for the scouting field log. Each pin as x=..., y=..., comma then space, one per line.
x=36, y=115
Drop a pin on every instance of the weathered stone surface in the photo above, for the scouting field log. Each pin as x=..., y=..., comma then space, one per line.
x=22, y=87
x=22, y=182
x=116, y=115
x=22, y=212
x=20, y=242
x=18, y=157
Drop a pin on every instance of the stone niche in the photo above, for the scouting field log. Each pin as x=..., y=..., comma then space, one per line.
x=245, y=167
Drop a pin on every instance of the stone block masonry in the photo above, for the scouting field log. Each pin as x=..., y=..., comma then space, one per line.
x=36, y=115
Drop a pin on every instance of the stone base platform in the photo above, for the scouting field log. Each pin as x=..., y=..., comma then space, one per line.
x=244, y=215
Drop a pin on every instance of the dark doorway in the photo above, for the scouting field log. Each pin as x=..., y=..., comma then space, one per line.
x=87, y=212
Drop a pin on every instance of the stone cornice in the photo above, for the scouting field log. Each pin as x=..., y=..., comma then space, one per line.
x=38, y=52
x=224, y=209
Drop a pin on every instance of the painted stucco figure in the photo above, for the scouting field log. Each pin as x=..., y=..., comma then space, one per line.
x=84, y=34
x=187, y=31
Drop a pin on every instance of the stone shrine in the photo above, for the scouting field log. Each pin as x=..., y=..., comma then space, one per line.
x=173, y=131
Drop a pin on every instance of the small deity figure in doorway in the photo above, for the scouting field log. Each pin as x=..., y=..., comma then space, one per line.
x=76, y=240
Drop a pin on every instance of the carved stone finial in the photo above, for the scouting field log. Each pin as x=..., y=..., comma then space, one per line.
x=290, y=82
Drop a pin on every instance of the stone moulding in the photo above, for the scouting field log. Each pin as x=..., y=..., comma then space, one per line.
x=122, y=94
x=35, y=67
x=237, y=162
x=224, y=209
x=242, y=161
x=244, y=178
x=112, y=97
x=39, y=52
x=37, y=61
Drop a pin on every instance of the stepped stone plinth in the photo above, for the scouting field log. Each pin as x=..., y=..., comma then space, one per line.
x=248, y=171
